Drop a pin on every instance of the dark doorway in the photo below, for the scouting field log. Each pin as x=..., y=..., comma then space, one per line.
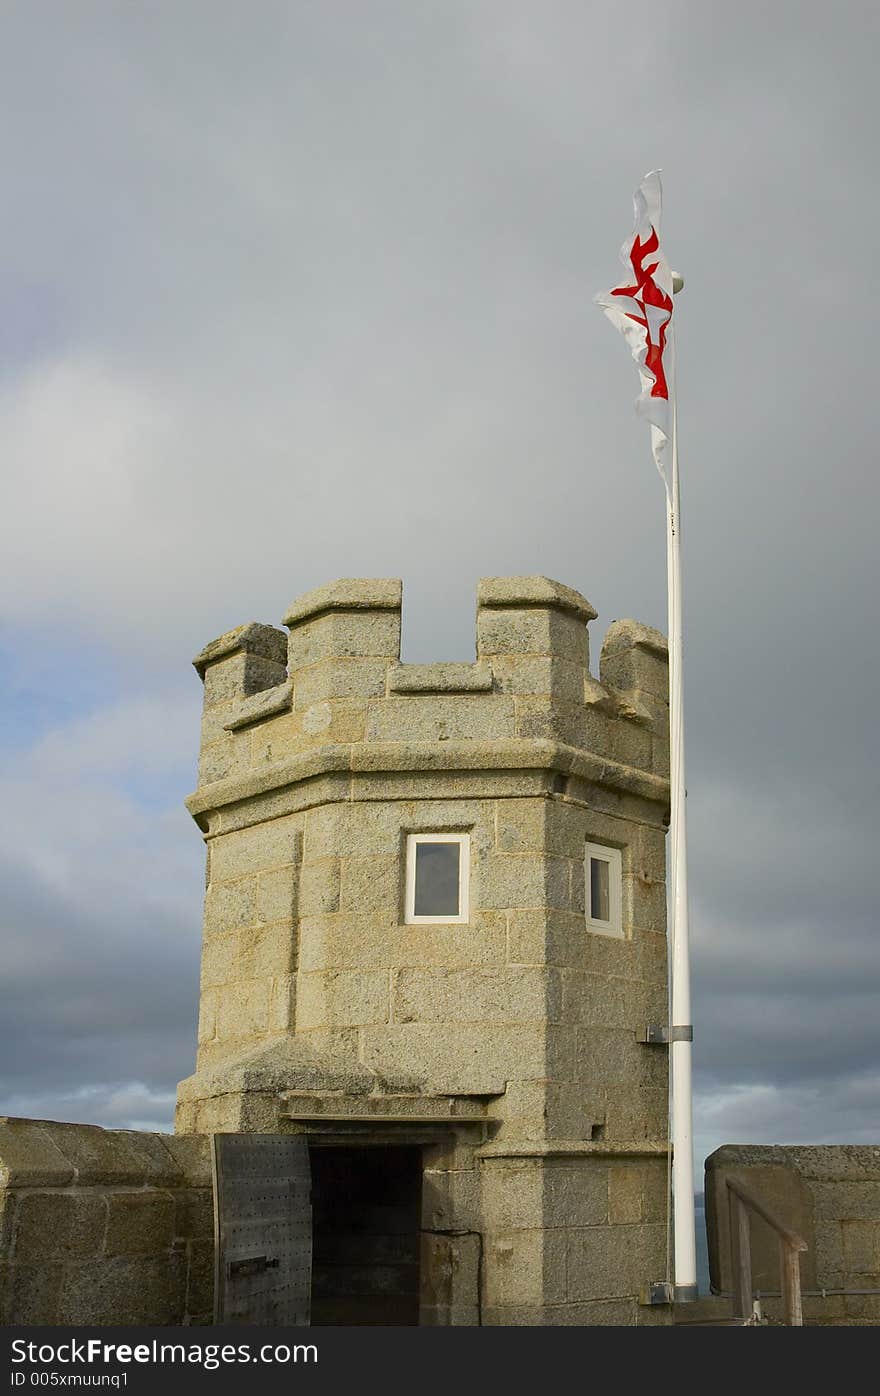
x=366, y=1206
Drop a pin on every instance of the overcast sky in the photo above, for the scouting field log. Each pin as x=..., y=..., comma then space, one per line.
x=292, y=291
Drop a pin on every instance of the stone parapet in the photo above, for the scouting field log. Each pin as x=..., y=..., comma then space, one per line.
x=103, y=1226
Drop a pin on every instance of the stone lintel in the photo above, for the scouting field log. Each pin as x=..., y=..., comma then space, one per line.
x=263, y=641
x=514, y=592
x=408, y=1109
x=347, y=594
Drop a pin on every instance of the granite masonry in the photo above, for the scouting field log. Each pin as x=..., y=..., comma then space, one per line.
x=502, y=1046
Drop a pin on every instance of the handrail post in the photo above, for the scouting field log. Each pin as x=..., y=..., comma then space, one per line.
x=790, y=1277
x=741, y=1256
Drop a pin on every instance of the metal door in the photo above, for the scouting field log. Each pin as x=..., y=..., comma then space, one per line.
x=262, y=1229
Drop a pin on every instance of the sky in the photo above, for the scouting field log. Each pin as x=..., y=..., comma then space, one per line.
x=297, y=291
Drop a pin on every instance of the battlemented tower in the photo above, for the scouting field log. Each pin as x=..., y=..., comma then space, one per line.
x=434, y=934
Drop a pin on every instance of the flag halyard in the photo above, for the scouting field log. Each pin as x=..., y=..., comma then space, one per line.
x=641, y=308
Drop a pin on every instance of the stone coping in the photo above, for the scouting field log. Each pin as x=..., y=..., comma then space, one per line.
x=513, y=592
x=262, y=705
x=347, y=594
x=632, y=634
x=261, y=640
x=392, y=757
x=52, y=1153
x=440, y=678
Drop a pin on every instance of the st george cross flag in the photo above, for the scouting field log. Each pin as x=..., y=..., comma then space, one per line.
x=641, y=308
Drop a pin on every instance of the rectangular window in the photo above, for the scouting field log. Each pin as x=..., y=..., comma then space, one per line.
x=603, y=889
x=437, y=876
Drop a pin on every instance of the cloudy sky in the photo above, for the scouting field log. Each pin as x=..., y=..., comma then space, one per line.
x=292, y=291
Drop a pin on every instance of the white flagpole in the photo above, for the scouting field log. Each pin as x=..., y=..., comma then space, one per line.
x=680, y=1033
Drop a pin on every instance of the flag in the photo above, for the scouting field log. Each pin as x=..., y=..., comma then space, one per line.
x=641, y=308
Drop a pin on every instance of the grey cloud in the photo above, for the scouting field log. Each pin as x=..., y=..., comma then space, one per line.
x=320, y=297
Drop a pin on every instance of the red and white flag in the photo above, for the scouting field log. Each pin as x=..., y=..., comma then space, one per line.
x=641, y=308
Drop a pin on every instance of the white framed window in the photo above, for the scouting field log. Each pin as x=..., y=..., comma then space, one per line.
x=602, y=870
x=437, y=879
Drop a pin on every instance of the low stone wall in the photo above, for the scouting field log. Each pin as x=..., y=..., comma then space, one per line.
x=830, y=1194
x=102, y=1226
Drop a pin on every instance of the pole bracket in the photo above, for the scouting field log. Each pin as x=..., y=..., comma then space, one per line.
x=665, y=1292
x=657, y=1035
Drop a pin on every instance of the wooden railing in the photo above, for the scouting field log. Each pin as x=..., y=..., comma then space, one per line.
x=741, y=1201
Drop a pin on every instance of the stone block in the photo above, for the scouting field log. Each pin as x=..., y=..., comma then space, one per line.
x=625, y=1193
x=200, y=1281
x=139, y=1223
x=341, y=998
x=194, y=1213
x=59, y=1225
x=30, y=1158
x=319, y=887
x=610, y=1262
x=527, y=938
x=340, y=678
x=247, y=851
x=29, y=1293
x=853, y=1201
x=440, y=678
x=635, y=657
x=540, y=675
x=237, y=676
x=282, y=1004
x=276, y=893
x=450, y=1268
x=512, y=1194
x=509, y=881
x=532, y=631
x=861, y=1247
x=456, y=1058
x=231, y=905
x=373, y=884
x=576, y=1192
x=242, y=1009
x=524, y=1267
x=125, y=1290
x=112, y=1156
x=341, y=635
x=451, y=1200
x=508, y=995
x=441, y=717
x=520, y=826
x=256, y=953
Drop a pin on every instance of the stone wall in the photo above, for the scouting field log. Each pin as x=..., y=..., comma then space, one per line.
x=830, y=1194
x=104, y=1226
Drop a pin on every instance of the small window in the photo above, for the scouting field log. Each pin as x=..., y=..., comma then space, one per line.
x=437, y=869
x=603, y=890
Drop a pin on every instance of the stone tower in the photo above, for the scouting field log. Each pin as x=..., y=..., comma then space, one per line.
x=434, y=932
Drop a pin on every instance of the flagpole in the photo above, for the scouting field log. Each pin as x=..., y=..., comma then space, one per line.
x=681, y=1031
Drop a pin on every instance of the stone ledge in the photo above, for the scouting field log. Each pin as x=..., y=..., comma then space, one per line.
x=576, y=1148
x=392, y=757
x=347, y=594
x=440, y=678
x=261, y=705
x=514, y=592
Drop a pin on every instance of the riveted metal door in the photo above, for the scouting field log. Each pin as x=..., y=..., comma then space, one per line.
x=262, y=1229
